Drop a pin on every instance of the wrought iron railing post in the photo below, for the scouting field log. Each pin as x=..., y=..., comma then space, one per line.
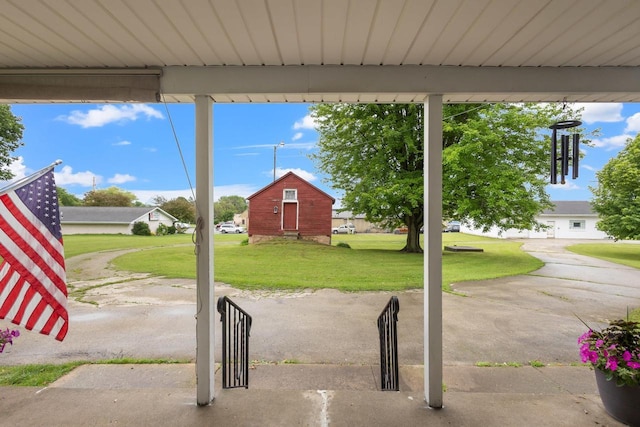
x=236, y=326
x=388, y=331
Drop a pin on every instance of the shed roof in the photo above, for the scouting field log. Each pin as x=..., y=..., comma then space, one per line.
x=106, y=214
x=287, y=175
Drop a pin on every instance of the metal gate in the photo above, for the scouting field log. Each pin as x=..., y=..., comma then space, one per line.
x=387, y=328
x=236, y=325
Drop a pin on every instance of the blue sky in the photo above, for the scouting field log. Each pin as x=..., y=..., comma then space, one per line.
x=132, y=146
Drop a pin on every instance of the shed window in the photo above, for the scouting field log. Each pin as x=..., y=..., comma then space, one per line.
x=290, y=195
x=576, y=224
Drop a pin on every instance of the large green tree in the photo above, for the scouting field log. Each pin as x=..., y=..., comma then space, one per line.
x=112, y=196
x=495, y=163
x=10, y=135
x=617, y=196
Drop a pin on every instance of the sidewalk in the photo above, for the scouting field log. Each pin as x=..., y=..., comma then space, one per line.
x=308, y=395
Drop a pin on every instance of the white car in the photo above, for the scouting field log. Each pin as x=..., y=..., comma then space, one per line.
x=344, y=229
x=231, y=228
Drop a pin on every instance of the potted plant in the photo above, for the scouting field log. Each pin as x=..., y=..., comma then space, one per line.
x=614, y=354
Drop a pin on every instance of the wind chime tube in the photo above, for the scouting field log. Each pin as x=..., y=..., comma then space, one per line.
x=554, y=157
x=575, y=155
x=565, y=156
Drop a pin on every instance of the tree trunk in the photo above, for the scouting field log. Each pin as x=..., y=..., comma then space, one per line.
x=413, y=237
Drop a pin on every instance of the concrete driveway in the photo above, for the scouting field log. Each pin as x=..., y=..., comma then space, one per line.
x=515, y=319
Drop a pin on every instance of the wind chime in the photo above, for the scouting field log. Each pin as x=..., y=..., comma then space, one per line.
x=564, y=154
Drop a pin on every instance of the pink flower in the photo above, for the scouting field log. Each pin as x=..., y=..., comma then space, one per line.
x=634, y=365
x=599, y=343
x=612, y=364
x=584, y=336
x=626, y=356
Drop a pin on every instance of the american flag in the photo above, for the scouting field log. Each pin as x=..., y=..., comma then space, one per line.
x=33, y=291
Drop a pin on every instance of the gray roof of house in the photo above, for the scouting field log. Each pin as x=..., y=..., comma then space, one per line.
x=105, y=214
x=570, y=208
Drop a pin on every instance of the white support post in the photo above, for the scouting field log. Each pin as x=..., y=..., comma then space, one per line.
x=433, y=251
x=205, y=306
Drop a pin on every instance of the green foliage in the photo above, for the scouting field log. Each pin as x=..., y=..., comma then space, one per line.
x=112, y=196
x=162, y=230
x=343, y=245
x=140, y=228
x=67, y=199
x=227, y=206
x=10, y=135
x=617, y=196
x=495, y=166
x=179, y=207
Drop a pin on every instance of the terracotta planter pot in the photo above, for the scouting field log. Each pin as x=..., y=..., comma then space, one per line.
x=621, y=403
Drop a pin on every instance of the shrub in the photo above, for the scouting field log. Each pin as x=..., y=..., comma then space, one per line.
x=162, y=230
x=141, y=229
x=343, y=245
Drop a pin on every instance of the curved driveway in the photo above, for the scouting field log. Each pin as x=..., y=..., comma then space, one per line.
x=514, y=319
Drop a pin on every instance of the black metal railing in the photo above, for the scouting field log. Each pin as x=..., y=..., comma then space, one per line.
x=236, y=325
x=388, y=330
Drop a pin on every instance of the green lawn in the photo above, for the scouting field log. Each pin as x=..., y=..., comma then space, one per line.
x=621, y=253
x=373, y=262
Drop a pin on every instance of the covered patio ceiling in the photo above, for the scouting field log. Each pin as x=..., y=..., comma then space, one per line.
x=319, y=50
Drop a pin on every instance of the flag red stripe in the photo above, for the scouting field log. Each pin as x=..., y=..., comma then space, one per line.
x=11, y=298
x=26, y=299
x=35, y=316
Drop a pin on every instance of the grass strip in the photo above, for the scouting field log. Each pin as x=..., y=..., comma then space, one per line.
x=41, y=375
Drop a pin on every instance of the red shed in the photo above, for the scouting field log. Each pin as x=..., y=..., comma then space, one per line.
x=290, y=207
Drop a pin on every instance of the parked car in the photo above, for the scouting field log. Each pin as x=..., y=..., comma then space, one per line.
x=452, y=227
x=230, y=228
x=401, y=230
x=344, y=229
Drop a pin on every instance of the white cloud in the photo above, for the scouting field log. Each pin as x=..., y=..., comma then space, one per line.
x=307, y=122
x=307, y=176
x=120, y=178
x=600, y=112
x=83, y=179
x=18, y=168
x=588, y=167
x=297, y=136
x=123, y=143
x=633, y=123
x=613, y=142
x=107, y=114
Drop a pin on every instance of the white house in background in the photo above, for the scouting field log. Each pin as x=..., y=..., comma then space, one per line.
x=567, y=220
x=110, y=219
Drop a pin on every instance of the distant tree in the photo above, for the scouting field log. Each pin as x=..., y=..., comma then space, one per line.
x=112, y=196
x=10, y=136
x=179, y=207
x=67, y=199
x=227, y=206
x=617, y=196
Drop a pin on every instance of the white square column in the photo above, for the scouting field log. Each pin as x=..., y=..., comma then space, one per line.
x=433, y=251
x=205, y=304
